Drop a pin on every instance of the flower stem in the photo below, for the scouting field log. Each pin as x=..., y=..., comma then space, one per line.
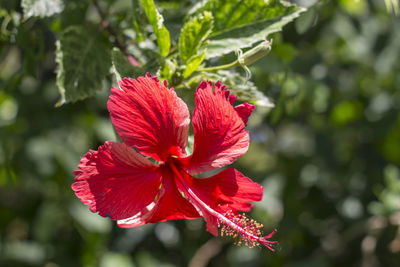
x=220, y=67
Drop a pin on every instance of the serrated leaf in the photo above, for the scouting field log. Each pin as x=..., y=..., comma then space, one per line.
x=193, y=34
x=156, y=22
x=244, y=90
x=83, y=58
x=122, y=65
x=41, y=8
x=230, y=14
x=193, y=64
x=239, y=23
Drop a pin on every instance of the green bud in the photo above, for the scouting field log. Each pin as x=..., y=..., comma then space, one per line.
x=255, y=53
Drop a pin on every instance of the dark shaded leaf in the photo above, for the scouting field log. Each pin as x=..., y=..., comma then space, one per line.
x=83, y=58
x=123, y=67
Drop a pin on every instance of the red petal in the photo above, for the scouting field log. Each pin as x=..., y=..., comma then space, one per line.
x=228, y=190
x=244, y=111
x=150, y=117
x=138, y=219
x=219, y=130
x=170, y=205
x=212, y=197
x=116, y=181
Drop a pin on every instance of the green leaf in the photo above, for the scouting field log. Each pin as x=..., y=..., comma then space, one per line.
x=193, y=34
x=239, y=23
x=110, y=259
x=244, y=90
x=138, y=19
x=89, y=220
x=83, y=58
x=346, y=112
x=193, y=64
x=30, y=41
x=391, y=143
x=305, y=21
x=123, y=67
x=167, y=69
x=285, y=51
x=41, y=8
x=156, y=22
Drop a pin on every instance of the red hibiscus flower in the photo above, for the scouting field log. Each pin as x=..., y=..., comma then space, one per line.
x=121, y=182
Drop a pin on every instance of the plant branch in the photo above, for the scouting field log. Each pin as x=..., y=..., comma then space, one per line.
x=206, y=252
x=108, y=27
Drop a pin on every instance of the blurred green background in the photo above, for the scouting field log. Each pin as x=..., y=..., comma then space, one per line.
x=328, y=154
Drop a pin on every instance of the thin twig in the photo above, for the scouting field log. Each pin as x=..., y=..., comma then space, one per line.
x=108, y=27
x=206, y=252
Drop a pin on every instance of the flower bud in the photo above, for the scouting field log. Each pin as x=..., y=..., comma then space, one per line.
x=255, y=53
